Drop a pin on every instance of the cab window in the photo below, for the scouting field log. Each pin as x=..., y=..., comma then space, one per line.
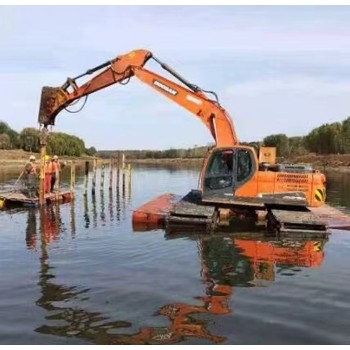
x=244, y=165
x=220, y=170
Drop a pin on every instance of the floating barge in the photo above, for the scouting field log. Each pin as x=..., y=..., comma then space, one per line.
x=173, y=210
x=18, y=199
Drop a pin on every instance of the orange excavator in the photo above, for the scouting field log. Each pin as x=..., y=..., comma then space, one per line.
x=232, y=174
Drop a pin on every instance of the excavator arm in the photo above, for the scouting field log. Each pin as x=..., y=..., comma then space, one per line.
x=120, y=70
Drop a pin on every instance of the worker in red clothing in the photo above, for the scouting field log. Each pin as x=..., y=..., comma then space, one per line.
x=56, y=167
x=48, y=174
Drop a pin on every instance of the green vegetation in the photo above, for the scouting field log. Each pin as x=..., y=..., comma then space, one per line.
x=280, y=141
x=91, y=151
x=58, y=143
x=29, y=140
x=8, y=137
x=65, y=145
x=330, y=138
x=327, y=139
x=196, y=152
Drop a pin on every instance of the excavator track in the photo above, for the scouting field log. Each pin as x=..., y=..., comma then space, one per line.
x=301, y=223
x=191, y=210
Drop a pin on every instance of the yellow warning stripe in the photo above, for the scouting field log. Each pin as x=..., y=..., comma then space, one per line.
x=317, y=246
x=319, y=195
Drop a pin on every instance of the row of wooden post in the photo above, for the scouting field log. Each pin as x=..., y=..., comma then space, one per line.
x=42, y=200
x=112, y=166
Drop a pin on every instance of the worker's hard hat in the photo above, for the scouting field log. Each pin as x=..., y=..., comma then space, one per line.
x=47, y=158
x=54, y=157
x=32, y=158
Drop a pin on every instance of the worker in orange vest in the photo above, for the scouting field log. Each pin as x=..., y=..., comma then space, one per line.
x=56, y=168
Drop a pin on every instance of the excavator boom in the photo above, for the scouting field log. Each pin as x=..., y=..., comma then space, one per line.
x=120, y=70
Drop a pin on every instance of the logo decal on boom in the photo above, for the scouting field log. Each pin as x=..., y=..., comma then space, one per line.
x=164, y=87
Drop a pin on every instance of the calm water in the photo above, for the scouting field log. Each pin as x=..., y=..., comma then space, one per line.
x=79, y=274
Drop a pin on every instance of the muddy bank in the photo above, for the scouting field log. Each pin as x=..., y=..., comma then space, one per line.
x=338, y=162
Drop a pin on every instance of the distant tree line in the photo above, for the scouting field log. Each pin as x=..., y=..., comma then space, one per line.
x=28, y=139
x=327, y=139
x=331, y=138
x=195, y=152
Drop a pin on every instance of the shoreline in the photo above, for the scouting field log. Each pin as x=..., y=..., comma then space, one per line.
x=15, y=159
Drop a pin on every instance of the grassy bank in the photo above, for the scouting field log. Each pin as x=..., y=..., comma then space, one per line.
x=17, y=158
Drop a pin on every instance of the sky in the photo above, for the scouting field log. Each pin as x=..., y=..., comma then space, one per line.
x=276, y=69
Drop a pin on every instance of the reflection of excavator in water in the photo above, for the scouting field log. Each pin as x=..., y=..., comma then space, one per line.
x=232, y=175
x=225, y=262
x=265, y=255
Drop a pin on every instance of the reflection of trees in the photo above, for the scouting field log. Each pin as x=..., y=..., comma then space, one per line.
x=225, y=262
x=69, y=321
x=338, y=189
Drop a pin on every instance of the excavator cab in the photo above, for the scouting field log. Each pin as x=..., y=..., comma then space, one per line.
x=227, y=170
x=232, y=176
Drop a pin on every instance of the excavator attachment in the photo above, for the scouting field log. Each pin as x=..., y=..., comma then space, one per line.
x=52, y=102
x=117, y=70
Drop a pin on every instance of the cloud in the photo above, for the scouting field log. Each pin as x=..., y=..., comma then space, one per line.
x=291, y=85
x=280, y=69
x=291, y=106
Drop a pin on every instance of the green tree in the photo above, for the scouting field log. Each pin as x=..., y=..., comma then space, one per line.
x=280, y=141
x=12, y=134
x=91, y=151
x=30, y=139
x=63, y=144
x=297, y=145
x=345, y=137
x=326, y=139
x=5, y=141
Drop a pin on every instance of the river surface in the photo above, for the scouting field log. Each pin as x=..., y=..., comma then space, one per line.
x=79, y=274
